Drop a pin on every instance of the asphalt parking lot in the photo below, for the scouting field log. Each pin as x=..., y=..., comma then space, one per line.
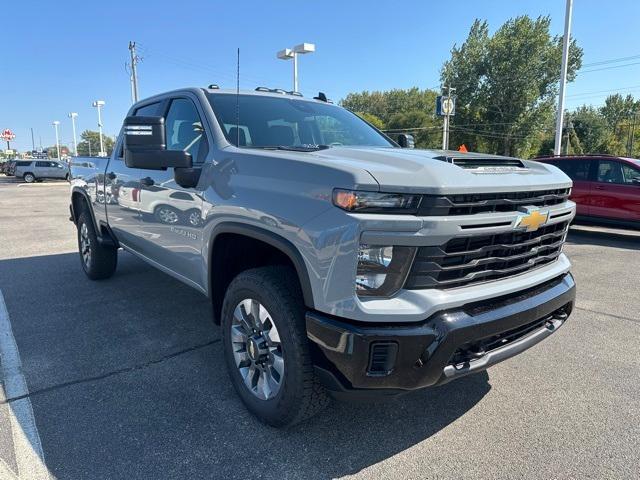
x=126, y=380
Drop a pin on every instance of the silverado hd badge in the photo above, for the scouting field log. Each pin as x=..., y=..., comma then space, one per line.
x=531, y=219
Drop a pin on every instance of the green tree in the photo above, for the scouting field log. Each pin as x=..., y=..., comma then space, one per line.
x=397, y=111
x=506, y=85
x=90, y=143
x=372, y=119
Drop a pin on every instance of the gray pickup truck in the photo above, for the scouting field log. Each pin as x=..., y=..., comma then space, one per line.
x=337, y=262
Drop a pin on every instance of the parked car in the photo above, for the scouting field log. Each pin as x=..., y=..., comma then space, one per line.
x=605, y=188
x=9, y=168
x=34, y=170
x=335, y=260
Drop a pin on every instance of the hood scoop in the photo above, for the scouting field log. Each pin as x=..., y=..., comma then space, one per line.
x=485, y=164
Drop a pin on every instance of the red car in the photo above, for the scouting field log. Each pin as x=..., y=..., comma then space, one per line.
x=605, y=188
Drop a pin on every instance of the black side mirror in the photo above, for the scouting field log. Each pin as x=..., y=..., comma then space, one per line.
x=145, y=145
x=406, y=141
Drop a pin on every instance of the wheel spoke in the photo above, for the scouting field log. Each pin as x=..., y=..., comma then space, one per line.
x=264, y=389
x=278, y=365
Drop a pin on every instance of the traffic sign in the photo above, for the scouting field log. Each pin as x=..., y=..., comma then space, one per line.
x=445, y=105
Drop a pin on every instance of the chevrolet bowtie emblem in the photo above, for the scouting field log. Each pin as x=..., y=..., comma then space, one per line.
x=531, y=219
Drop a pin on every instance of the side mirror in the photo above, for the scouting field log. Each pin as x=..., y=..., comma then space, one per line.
x=406, y=141
x=145, y=145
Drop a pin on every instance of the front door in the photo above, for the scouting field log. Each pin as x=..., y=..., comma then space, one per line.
x=171, y=216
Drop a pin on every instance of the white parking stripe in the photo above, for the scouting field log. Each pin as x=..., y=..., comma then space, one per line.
x=26, y=441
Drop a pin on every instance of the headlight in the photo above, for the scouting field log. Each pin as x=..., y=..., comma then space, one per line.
x=382, y=270
x=375, y=202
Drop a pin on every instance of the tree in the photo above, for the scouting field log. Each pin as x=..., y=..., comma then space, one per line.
x=90, y=143
x=506, y=85
x=372, y=119
x=397, y=111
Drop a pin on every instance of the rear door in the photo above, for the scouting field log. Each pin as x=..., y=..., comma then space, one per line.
x=580, y=171
x=616, y=193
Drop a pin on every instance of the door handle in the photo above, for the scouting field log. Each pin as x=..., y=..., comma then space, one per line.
x=147, y=181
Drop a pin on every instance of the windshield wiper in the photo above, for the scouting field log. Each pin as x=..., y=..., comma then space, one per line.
x=303, y=148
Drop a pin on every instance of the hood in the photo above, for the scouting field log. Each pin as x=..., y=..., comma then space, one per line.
x=429, y=171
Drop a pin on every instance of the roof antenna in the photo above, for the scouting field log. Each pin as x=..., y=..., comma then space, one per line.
x=238, y=100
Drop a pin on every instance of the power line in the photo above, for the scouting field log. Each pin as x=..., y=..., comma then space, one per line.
x=611, y=60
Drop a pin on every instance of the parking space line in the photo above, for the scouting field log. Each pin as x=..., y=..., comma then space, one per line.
x=26, y=440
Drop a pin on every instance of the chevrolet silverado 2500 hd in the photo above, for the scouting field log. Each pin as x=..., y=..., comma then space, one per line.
x=335, y=260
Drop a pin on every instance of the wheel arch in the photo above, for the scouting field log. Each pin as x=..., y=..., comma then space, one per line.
x=273, y=240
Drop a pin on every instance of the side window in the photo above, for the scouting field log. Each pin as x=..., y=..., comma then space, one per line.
x=631, y=175
x=42, y=164
x=185, y=130
x=609, y=171
x=575, y=169
x=150, y=110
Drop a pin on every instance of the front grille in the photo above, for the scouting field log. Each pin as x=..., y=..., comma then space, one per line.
x=469, y=204
x=469, y=260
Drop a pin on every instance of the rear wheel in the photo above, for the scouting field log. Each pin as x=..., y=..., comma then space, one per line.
x=29, y=177
x=98, y=261
x=266, y=347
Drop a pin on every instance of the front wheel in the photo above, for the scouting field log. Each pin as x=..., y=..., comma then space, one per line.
x=266, y=347
x=98, y=261
x=29, y=177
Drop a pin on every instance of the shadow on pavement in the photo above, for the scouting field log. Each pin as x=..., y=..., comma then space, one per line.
x=607, y=238
x=127, y=380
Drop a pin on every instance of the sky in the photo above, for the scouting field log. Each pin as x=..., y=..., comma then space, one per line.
x=60, y=56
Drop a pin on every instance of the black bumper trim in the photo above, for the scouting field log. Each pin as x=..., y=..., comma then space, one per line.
x=426, y=349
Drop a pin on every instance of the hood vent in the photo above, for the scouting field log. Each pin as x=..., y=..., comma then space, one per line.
x=488, y=163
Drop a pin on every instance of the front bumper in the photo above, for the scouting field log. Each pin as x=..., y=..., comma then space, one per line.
x=395, y=358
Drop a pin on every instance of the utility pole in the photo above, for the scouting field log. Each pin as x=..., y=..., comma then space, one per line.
x=134, y=71
x=447, y=114
x=33, y=142
x=566, y=41
x=99, y=104
x=632, y=132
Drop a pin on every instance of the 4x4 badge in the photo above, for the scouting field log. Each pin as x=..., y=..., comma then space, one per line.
x=531, y=219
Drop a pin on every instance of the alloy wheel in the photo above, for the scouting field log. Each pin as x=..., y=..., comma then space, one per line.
x=257, y=349
x=85, y=245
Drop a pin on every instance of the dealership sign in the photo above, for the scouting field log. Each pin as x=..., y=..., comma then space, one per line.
x=7, y=135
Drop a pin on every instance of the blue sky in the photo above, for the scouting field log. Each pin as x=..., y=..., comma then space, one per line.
x=60, y=56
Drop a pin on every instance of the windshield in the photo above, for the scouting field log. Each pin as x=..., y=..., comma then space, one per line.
x=272, y=122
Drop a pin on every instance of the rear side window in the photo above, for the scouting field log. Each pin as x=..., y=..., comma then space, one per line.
x=43, y=164
x=609, y=172
x=575, y=169
x=23, y=164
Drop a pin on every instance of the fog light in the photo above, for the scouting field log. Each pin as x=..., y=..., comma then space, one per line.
x=382, y=270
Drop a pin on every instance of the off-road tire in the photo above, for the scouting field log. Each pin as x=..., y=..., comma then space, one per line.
x=300, y=395
x=103, y=259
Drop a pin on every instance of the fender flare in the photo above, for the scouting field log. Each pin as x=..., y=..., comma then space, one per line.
x=109, y=239
x=270, y=238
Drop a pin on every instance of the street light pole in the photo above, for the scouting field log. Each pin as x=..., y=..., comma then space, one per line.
x=55, y=125
x=566, y=41
x=99, y=104
x=73, y=116
x=292, y=54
